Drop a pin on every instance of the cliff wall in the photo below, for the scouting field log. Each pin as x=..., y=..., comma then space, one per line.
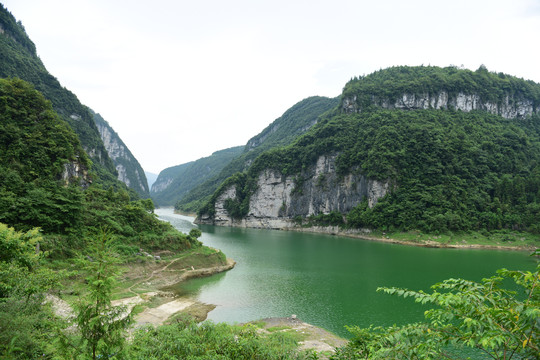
x=279, y=199
x=511, y=107
x=128, y=168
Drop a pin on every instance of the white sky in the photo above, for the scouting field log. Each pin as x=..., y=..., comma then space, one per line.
x=178, y=80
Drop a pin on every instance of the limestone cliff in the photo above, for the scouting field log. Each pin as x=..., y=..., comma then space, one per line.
x=75, y=172
x=279, y=199
x=510, y=107
x=128, y=168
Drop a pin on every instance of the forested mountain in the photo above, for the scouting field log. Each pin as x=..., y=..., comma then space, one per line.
x=128, y=168
x=427, y=148
x=282, y=131
x=47, y=181
x=18, y=58
x=174, y=182
x=55, y=171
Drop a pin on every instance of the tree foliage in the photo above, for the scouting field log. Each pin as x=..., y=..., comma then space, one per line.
x=486, y=316
x=18, y=58
x=101, y=325
x=391, y=83
x=188, y=340
x=25, y=324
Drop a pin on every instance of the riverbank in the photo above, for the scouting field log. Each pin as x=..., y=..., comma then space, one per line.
x=143, y=287
x=520, y=242
x=148, y=286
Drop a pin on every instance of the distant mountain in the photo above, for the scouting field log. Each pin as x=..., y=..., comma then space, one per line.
x=174, y=182
x=151, y=178
x=129, y=170
x=18, y=58
x=281, y=132
x=409, y=148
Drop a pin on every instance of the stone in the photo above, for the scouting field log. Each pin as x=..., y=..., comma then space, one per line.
x=276, y=201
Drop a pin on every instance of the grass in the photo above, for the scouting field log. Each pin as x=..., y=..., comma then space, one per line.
x=133, y=272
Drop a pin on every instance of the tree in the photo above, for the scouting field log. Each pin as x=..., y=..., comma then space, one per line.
x=102, y=326
x=501, y=323
x=25, y=324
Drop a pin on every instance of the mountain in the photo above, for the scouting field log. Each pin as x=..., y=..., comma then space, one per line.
x=151, y=178
x=428, y=148
x=55, y=172
x=128, y=168
x=282, y=131
x=42, y=164
x=18, y=58
x=174, y=182
x=46, y=179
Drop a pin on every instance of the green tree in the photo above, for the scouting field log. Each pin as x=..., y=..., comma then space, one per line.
x=101, y=325
x=485, y=316
x=25, y=324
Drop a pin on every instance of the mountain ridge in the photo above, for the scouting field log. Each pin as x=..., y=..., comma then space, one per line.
x=281, y=132
x=439, y=169
x=18, y=58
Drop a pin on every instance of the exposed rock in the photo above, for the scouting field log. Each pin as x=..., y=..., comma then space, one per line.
x=509, y=107
x=162, y=184
x=221, y=216
x=279, y=199
x=75, y=172
x=128, y=168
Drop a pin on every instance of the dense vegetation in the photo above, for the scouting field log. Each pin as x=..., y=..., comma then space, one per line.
x=182, y=178
x=393, y=82
x=281, y=132
x=36, y=147
x=18, y=58
x=449, y=170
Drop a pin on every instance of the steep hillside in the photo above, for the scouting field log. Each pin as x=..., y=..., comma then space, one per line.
x=46, y=181
x=174, y=182
x=42, y=164
x=18, y=58
x=282, y=131
x=442, y=167
x=167, y=176
x=128, y=168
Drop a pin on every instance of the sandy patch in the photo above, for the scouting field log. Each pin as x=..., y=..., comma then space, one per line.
x=157, y=316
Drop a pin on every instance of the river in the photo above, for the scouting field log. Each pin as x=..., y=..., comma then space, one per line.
x=326, y=280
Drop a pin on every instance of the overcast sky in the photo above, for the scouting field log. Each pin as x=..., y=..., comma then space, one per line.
x=178, y=80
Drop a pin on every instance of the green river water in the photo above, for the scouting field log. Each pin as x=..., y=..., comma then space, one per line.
x=325, y=280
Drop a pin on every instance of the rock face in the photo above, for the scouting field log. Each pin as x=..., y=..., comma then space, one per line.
x=128, y=168
x=510, y=107
x=74, y=171
x=279, y=199
x=161, y=184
